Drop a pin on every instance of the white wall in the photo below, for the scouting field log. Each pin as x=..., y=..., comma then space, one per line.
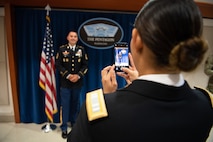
x=6, y=103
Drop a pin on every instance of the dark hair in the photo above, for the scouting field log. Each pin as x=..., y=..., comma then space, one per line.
x=72, y=31
x=172, y=30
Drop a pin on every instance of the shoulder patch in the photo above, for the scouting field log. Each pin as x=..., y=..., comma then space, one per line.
x=95, y=105
x=207, y=92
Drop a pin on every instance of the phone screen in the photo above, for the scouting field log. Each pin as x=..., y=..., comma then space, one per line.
x=121, y=56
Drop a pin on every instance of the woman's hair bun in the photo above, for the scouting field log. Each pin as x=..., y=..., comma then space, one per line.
x=186, y=55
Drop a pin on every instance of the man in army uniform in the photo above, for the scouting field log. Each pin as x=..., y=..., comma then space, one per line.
x=72, y=63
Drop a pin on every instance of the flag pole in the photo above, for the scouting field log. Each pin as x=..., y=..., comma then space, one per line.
x=48, y=127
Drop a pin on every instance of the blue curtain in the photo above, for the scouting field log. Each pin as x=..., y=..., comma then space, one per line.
x=30, y=28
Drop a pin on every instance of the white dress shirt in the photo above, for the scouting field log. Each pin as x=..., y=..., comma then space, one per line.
x=167, y=79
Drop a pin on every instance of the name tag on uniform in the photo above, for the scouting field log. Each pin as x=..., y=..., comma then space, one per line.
x=95, y=105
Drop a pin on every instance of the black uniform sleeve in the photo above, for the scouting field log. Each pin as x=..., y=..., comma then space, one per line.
x=80, y=132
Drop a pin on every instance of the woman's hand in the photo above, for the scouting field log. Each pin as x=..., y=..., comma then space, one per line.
x=109, y=81
x=131, y=73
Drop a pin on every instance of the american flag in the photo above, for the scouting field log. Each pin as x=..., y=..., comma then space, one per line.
x=47, y=73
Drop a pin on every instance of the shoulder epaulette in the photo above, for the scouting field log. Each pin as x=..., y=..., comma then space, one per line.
x=206, y=92
x=80, y=46
x=95, y=105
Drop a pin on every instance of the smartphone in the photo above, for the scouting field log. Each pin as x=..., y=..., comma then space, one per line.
x=121, y=51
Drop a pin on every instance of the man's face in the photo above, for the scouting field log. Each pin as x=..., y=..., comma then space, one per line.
x=72, y=38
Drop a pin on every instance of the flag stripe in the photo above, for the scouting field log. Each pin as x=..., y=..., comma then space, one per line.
x=47, y=73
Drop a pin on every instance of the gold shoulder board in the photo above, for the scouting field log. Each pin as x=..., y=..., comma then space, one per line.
x=95, y=105
x=207, y=92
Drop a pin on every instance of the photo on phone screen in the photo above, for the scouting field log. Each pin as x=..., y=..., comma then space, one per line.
x=121, y=56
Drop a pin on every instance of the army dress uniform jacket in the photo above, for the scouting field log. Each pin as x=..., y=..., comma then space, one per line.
x=71, y=62
x=147, y=111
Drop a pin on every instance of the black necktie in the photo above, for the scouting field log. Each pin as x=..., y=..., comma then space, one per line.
x=72, y=48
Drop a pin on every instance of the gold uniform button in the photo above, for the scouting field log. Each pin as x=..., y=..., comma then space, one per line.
x=72, y=65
